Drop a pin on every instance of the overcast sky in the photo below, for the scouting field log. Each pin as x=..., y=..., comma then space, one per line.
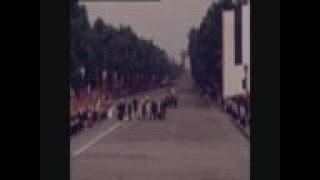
x=166, y=22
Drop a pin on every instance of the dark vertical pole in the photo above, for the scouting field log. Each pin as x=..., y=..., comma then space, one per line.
x=238, y=33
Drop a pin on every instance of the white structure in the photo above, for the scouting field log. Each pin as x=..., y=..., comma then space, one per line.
x=245, y=21
x=236, y=80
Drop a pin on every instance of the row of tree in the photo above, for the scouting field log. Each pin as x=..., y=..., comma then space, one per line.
x=118, y=53
x=205, y=48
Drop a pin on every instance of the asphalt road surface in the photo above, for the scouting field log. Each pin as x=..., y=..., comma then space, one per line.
x=197, y=141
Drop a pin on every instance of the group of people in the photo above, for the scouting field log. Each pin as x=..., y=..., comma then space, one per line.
x=85, y=119
x=88, y=115
x=141, y=109
x=137, y=108
x=145, y=108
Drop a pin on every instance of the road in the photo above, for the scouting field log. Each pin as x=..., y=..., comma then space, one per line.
x=198, y=141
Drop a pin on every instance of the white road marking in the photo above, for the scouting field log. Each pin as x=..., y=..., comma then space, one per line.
x=95, y=140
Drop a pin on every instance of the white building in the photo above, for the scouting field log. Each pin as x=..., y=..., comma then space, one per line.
x=236, y=51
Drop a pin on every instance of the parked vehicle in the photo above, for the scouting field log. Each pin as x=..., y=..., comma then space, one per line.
x=239, y=108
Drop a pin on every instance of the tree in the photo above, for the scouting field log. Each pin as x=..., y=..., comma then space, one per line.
x=205, y=47
x=119, y=51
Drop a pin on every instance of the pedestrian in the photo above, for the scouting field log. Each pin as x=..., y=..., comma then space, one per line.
x=159, y=113
x=95, y=114
x=75, y=125
x=135, y=107
x=111, y=111
x=148, y=108
x=242, y=115
x=139, y=108
x=130, y=110
x=143, y=109
x=163, y=109
x=121, y=110
x=90, y=119
x=97, y=109
x=154, y=110
x=82, y=119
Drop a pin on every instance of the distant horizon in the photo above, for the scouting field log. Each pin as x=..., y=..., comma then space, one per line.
x=165, y=22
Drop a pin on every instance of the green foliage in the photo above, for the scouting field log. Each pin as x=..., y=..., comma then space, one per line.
x=103, y=47
x=205, y=46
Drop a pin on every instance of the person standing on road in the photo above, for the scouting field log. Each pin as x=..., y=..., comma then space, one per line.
x=121, y=110
x=159, y=113
x=135, y=107
x=154, y=110
x=148, y=108
x=82, y=119
x=90, y=120
x=163, y=106
x=130, y=110
x=97, y=109
x=143, y=109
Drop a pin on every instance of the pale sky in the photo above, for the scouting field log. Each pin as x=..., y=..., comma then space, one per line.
x=166, y=22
